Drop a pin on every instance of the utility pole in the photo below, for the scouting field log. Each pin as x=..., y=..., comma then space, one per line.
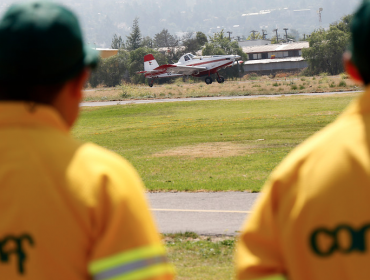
x=319, y=12
x=264, y=34
x=286, y=34
x=277, y=35
x=254, y=34
x=229, y=34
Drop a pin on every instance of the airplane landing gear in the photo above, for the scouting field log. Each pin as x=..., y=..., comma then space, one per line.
x=151, y=82
x=208, y=80
x=220, y=79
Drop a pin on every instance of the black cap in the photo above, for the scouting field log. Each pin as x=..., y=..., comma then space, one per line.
x=360, y=28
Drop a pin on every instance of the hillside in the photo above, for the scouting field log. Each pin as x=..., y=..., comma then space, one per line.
x=102, y=19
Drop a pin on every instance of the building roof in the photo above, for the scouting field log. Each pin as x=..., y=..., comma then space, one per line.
x=276, y=60
x=276, y=47
x=101, y=49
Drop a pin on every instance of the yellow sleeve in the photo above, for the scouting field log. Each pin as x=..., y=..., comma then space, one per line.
x=258, y=253
x=125, y=241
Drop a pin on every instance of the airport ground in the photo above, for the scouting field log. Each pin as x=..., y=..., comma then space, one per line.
x=225, y=145
x=207, y=146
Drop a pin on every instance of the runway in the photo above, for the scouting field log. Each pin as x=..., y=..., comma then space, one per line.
x=221, y=213
x=146, y=101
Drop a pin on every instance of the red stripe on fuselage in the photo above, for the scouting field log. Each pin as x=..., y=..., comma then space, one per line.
x=155, y=74
x=202, y=73
x=212, y=71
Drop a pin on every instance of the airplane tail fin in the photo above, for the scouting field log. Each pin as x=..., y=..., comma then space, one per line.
x=150, y=63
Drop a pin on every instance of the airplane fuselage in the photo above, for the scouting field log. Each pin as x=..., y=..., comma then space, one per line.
x=213, y=64
x=189, y=65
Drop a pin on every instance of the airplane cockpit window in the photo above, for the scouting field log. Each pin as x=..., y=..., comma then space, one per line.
x=186, y=58
x=191, y=56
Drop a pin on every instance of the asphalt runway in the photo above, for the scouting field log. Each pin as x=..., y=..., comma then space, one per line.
x=221, y=213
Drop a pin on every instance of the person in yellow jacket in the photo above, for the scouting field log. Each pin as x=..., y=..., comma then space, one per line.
x=312, y=220
x=69, y=210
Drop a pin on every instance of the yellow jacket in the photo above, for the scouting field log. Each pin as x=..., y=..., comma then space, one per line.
x=69, y=210
x=312, y=220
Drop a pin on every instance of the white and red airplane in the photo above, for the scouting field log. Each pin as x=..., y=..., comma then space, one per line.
x=189, y=64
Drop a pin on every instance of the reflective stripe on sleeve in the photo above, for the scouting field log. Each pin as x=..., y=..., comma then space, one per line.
x=140, y=263
x=274, y=277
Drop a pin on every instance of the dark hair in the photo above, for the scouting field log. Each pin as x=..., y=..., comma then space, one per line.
x=44, y=94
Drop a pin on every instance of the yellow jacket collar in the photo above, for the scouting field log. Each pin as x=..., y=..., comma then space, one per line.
x=26, y=113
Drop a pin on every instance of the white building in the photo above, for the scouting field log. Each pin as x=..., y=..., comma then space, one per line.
x=275, y=57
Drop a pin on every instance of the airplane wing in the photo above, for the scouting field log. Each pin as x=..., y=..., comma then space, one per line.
x=177, y=69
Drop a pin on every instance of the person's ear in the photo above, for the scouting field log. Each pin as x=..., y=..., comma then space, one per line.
x=351, y=68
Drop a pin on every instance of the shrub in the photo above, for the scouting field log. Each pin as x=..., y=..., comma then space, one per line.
x=301, y=87
x=275, y=84
x=111, y=71
x=294, y=87
x=344, y=76
x=252, y=76
x=342, y=83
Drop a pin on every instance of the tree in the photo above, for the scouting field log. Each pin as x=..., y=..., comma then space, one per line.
x=327, y=48
x=147, y=42
x=201, y=38
x=326, y=51
x=191, y=45
x=257, y=36
x=111, y=71
x=134, y=39
x=220, y=44
x=136, y=63
x=344, y=23
x=165, y=39
x=117, y=42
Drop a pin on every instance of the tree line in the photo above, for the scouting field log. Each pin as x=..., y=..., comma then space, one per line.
x=324, y=54
x=327, y=48
x=129, y=60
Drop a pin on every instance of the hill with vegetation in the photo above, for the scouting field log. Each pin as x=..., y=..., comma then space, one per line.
x=102, y=19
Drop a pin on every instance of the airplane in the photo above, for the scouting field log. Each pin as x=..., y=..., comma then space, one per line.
x=189, y=64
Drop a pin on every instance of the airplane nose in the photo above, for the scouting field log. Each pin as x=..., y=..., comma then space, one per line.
x=237, y=57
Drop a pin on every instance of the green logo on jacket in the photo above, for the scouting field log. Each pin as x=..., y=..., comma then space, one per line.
x=14, y=245
x=356, y=240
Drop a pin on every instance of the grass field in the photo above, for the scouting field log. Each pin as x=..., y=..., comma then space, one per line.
x=228, y=145
x=201, y=258
x=249, y=85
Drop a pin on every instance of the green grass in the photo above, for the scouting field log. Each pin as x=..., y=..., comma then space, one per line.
x=201, y=258
x=208, y=145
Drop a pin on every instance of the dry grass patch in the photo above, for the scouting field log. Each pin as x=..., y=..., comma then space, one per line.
x=250, y=84
x=209, y=150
